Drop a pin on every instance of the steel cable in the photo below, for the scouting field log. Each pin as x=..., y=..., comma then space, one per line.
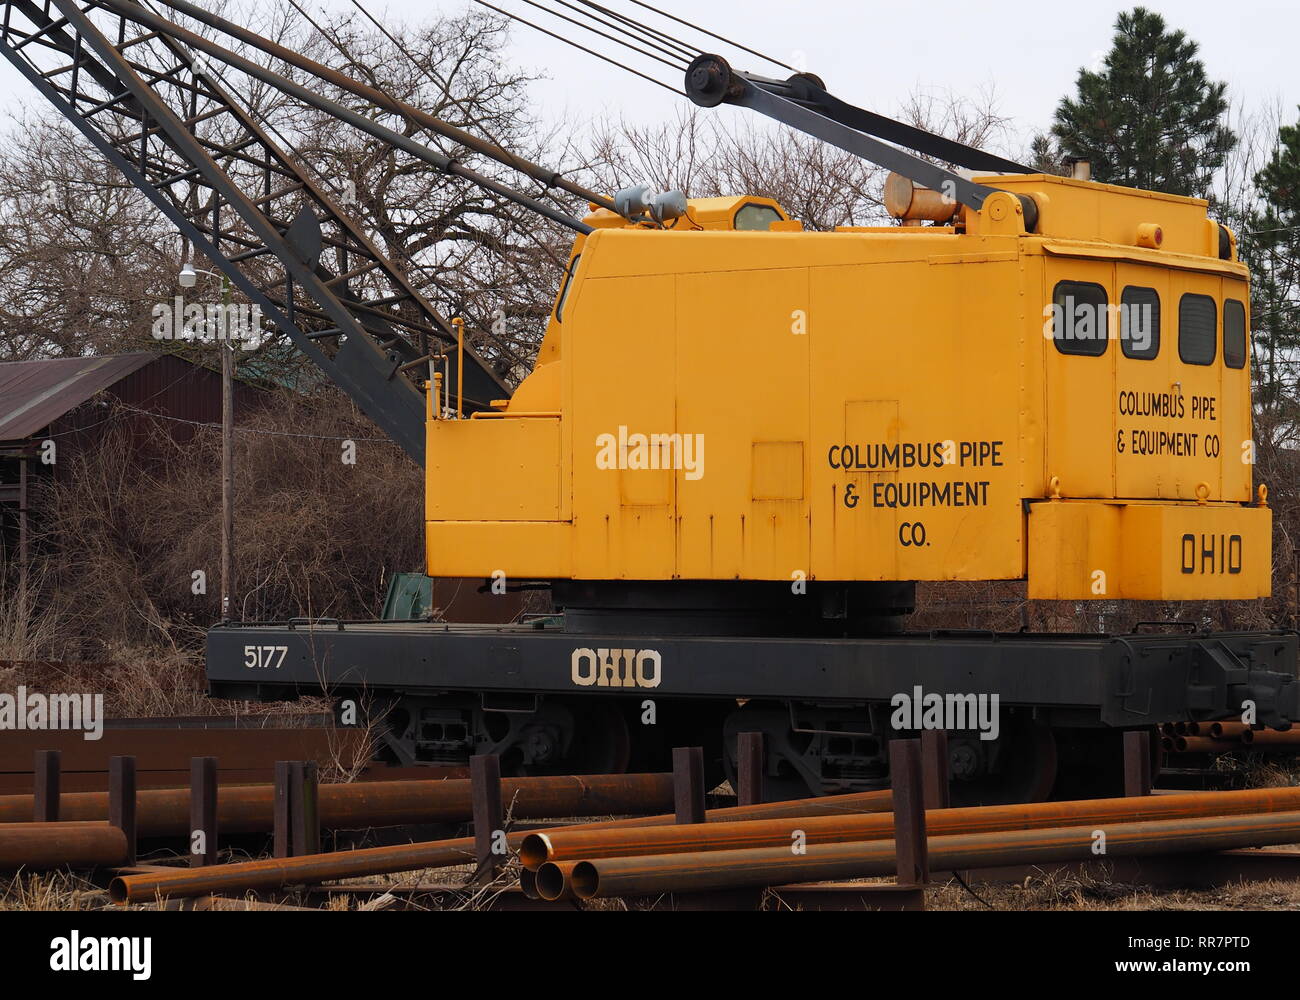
x=577, y=45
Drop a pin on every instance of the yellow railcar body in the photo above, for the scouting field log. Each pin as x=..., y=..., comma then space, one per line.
x=742, y=400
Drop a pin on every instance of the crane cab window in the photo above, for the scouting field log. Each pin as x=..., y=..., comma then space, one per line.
x=1198, y=321
x=564, y=292
x=1140, y=323
x=1080, y=318
x=756, y=218
x=1234, y=334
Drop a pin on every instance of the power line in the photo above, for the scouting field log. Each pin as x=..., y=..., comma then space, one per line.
x=252, y=430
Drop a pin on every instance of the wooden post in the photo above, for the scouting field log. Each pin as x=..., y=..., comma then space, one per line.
x=934, y=768
x=1137, y=762
x=688, y=784
x=203, y=811
x=46, y=797
x=121, y=801
x=489, y=814
x=304, y=807
x=281, y=810
x=749, y=769
x=909, y=811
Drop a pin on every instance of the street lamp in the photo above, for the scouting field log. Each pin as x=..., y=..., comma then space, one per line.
x=188, y=278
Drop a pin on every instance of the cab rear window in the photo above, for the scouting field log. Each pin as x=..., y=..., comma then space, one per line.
x=1198, y=321
x=1234, y=334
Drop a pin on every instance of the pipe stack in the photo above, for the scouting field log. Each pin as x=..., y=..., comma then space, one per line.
x=789, y=842
x=1225, y=737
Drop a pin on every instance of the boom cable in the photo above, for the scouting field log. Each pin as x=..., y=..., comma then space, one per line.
x=445, y=87
x=688, y=51
x=428, y=74
x=678, y=58
x=680, y=64
x=578, y=45
x=696, y=27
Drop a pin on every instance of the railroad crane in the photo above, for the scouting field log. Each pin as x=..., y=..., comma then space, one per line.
x=1028, y=377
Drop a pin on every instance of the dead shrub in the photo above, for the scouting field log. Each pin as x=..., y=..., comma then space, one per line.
x=129, y=534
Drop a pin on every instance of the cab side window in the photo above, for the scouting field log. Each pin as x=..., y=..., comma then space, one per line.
x=1080, y=318
x=1140, y=323
x=1198, y=322
x=564, y=292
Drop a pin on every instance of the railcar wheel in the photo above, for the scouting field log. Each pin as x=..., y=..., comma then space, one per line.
x=1019, y=766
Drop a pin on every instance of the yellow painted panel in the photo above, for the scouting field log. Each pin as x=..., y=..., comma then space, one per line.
x=1147, y=407
x=620, y=359
x=1080, y=420
x=520, y=483
x=1074, y=551
x=912, y=381
x=1238, y=455
x=1098, y=551
x=778, y=470
x=1196, y=552
x=743, y=396
x=520, y=549
x=1087, y=210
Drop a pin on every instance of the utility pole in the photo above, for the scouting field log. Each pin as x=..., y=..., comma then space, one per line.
x=227, y=456
x=188, y=278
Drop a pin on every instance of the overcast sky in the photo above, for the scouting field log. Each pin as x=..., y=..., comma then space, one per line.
x=875, y=53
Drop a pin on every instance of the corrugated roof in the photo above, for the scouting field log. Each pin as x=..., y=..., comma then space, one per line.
x=33, y=394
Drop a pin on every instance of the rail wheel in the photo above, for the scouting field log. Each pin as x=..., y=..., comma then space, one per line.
x=1021, y=765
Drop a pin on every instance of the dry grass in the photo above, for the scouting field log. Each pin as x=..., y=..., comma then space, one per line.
x=1093, y=889
x=61, y=891
x=147, y=682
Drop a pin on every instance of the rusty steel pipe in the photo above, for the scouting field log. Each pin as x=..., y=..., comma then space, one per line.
x=279, y=872
x=1204, y=744
x=1226, y=730
x=248, y=808
x=773, y=866
x=584, y=843
x=1271, y=737
x=163, y=812
x=557, y=882
x=42, y=846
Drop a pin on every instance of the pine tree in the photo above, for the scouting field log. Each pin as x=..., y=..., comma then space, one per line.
x=1150, y=118
x=1045, y=157
x=1272, y=249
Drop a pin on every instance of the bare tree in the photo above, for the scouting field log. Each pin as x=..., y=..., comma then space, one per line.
x=819, y=184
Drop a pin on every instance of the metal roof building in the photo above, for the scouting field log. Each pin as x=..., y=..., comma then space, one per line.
x=35, y=394
x=68, y=401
